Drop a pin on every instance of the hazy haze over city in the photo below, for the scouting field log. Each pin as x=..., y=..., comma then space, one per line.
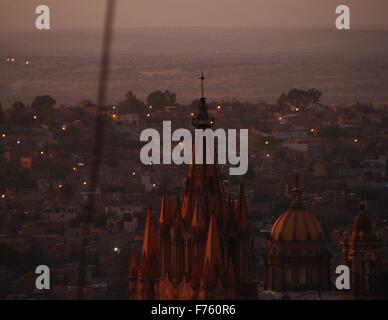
x=249, y=49
x=71, y=14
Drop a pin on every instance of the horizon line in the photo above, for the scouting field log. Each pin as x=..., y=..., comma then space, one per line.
x=356, y=27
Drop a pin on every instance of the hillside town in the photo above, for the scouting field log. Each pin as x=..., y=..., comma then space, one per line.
x=338, y=152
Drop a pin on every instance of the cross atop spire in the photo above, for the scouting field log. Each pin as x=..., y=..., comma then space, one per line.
x=203, y=120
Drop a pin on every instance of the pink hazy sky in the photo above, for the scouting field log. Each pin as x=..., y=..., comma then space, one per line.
x=84, y=14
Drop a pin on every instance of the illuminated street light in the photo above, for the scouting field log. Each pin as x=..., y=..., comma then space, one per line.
x=219, y=108
x=85, y=183
x=3, y=196
x=267, y=142
x=355, y=140
x=280, y=118
x=18, y=142
x=3, y=135
x=148, y=115
x=27, y=62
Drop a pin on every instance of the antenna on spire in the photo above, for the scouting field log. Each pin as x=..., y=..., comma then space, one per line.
x=202, y=78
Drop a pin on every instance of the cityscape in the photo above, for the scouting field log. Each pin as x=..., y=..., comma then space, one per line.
x=76, y=198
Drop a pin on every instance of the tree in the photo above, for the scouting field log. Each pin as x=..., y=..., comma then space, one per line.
x=43, y=108
x=19, y=114
x=19, y=107
x=282, y=100
x=313, y=95
x=131, y=104
x=300, y=98
x=159, y=100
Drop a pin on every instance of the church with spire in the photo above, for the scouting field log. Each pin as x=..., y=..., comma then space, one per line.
x=200, y=247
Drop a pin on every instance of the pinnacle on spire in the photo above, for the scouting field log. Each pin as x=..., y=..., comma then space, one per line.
x=198, y=221
x=242, y=209
x=164, y=217
x=149, y=252
x=213, y=262
x=133, y=268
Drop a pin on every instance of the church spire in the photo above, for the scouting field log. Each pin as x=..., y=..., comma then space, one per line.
x=164, y=218
x=203, y=121
x=198, y=221
x=149, y=252
x=213, y=262
x=133, y=268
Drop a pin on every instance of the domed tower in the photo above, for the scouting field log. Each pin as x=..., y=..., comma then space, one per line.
x=297, y=258
x=362, y=250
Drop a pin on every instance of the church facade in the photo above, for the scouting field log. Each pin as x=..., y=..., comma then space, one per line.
x=363, y=253
x=202, y=247
x=297, y=258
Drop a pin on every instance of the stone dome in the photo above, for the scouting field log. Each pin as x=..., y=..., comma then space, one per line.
x=297, y=223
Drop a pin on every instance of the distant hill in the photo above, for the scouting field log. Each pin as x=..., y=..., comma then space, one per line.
x=243, y=63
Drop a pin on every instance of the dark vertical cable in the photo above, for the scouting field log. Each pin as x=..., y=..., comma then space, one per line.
x=98, y=144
